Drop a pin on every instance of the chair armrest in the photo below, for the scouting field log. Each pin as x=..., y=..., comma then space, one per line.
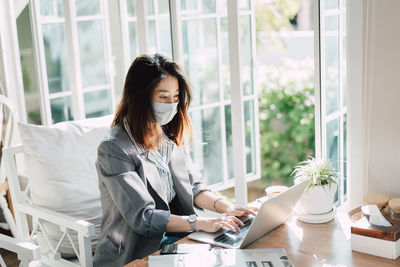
x=24, y=250
x=64, y=221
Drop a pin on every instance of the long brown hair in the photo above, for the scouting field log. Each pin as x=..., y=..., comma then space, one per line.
x=143, y=76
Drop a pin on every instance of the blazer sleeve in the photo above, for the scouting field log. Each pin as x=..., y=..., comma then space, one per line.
x=195, y=177
x=117, y=170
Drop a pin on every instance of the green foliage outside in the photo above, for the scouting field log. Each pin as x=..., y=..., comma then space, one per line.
x=274, y=16
x=286, y=111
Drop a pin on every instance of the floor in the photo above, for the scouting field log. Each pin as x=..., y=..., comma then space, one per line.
x=9, y=258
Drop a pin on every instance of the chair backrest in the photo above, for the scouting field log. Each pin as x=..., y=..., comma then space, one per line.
x=8, y=120
x=8, y=132
x=60, y=163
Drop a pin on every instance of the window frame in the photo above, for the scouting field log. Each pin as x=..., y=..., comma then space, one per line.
x=237, y=105
x=77, y=91
x=322, y=119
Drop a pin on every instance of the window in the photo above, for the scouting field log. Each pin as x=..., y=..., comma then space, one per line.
x=205, y=32
x=333, y=87
x=76, y=52
x=72, y=49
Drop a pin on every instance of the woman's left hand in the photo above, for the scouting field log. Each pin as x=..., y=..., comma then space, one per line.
x=239, y=211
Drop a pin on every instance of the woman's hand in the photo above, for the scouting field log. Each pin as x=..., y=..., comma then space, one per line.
x=230, y=209
x=241, y=211
x=212, y=225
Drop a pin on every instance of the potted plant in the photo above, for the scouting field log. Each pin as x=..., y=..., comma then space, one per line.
x=320, y=193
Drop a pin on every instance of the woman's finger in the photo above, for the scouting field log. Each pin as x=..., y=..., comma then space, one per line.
x=237, y=221
x=251, y=212
x=230, y=226
x=231, y=222
x=236, y=213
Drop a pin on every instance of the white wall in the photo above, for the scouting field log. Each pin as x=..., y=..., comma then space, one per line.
x=384, y=99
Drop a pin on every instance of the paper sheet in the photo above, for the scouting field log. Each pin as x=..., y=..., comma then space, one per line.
x=375, y=215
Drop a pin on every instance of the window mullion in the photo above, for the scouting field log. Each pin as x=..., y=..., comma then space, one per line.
x=141, y=26
x=320, y=148
x=221, y=97
x=109, y=59
x=123, y=14
x=253, y=76
x=176, y=31
x=74, y=66
x=239, y=162
x=40, y=62
x=341, y=118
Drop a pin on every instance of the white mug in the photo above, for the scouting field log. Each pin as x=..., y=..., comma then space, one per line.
x=272, y=191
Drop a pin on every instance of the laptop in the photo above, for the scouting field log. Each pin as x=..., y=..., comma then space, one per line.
x=273, y=212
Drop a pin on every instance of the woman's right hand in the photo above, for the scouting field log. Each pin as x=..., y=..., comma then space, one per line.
x=212, y=225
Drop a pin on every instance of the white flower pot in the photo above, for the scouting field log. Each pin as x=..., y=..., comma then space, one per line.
x=317, y=199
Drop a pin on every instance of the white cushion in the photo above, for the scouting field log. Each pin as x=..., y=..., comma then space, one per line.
x=60, y=163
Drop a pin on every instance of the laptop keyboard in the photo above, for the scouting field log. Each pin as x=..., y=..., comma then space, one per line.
x=231, y=237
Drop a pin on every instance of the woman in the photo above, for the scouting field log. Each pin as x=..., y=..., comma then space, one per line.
x=147, y=182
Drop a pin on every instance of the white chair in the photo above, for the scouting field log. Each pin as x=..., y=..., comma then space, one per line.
x=8, y=119
x=27, y=253
x=73, y=231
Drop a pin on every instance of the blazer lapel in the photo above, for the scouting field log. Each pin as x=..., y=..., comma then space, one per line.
x=180, y=176
x=152, y=175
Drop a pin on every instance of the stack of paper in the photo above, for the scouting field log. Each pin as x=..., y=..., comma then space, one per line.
x=225, y=257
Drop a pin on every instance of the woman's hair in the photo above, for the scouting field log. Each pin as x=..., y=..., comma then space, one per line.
x=136, y=107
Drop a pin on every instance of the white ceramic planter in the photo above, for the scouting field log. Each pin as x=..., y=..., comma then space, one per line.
x=317, y=200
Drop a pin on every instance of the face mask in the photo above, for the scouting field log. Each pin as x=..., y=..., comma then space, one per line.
x=165, y=112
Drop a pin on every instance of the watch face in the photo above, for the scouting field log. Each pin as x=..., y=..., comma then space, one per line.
x=192, y=218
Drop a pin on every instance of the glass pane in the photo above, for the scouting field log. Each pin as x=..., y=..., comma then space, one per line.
x=201, y=59
x=332, y=142
x=165, y=37
x=188, y=4
x=332, y=73
x=331, y=23
x=343, y=60
x=28, y=67
x=133, y=40
x=61, y=109
x=245, y=55
x=55, y=49
x=87, y=8
x=131, y=6
x=244, y=4
x=207, y=149
x=225, y=74
x=199, y=7
x=331, y=4
x=52, y=8
x=97, y=103
x=92, y=53
x=249, y=127
x=151, y=36
x=345, y=153
x=208, y=6
x=149, y=7
x=163, y=6
x=229, y=145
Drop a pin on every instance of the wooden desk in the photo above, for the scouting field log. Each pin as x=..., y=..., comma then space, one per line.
x=311, y=245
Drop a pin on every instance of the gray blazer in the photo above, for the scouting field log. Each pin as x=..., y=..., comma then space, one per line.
x=134, y=214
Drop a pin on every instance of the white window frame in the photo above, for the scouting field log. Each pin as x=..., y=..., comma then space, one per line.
x=320, y=92
x=237, y=99
x=70, y=21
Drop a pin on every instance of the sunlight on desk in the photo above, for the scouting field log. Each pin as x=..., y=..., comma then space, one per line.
x=295, y=229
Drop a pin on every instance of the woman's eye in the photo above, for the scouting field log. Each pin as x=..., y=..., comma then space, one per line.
x=163, y=97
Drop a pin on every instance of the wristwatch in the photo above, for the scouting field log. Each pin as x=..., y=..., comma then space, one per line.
x=192, y=220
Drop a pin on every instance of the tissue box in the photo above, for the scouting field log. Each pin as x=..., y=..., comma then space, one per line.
x=377, y=240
